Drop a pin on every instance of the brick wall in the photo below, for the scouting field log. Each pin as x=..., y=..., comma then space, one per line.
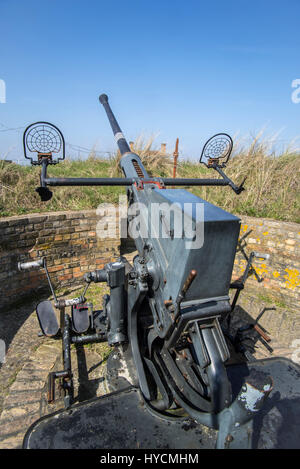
x=67, y=239
x=281, y=272
x=69, y=242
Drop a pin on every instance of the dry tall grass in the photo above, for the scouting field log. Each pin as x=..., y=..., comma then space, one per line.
x=152, y=158
x=272, y=185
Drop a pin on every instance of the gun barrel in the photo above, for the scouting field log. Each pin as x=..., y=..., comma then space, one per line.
x=120, y=139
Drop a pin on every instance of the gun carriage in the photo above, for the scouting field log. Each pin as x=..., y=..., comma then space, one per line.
x=168, y=314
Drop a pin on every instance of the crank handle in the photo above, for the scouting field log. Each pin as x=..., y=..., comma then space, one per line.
x=261, y=256
x=22, y=266
x=75, y=301
x=262, y=333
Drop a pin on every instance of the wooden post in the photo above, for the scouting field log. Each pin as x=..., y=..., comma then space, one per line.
x=175, y=154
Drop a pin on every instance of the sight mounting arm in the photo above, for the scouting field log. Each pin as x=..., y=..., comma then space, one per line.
x=46, y=194
x=236, y=189
x=136, y=175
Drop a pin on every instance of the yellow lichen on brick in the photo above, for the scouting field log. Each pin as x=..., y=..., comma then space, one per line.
x=265, y=233
x=292, y=278
x=241, y=265
x=276, y=274
x=262, y=269
x=45, y=246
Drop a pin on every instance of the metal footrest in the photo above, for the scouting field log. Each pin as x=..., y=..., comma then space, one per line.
x=81, y=315
x=47, y=319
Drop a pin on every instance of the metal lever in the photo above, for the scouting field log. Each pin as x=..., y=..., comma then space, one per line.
x=249, y=266
x=261, y=256
x=22, y=266
x=192, y=275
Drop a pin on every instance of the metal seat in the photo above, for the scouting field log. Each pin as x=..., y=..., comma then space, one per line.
x=119, y=421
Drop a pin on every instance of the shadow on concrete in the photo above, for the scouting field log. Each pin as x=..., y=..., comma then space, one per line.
x=276, y=425
x=12, y=320
x=243, y=333
x=87, y=388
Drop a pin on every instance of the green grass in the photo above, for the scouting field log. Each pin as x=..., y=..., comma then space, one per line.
x=18, y=184
x=272, y=301
x=272, y=185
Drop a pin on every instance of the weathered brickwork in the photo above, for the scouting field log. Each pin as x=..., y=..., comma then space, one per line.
x=281, y=272
x=69, y=242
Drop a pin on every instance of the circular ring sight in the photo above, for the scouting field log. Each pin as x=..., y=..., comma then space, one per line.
x=217, y=150
x=44, y=139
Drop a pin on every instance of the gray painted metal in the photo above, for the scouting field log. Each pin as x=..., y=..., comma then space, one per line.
x=170, y=257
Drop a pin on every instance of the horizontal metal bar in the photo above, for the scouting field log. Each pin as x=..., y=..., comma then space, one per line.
x=130, y=181
x=83, y=339
x=89, y=181
x=193, y=182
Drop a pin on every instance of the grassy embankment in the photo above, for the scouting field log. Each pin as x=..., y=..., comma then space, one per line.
x=272, y=186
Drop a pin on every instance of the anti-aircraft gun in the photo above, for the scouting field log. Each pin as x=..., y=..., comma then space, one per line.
x=167, y=314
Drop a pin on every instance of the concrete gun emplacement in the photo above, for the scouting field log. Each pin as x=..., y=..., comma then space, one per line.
x=168, y=314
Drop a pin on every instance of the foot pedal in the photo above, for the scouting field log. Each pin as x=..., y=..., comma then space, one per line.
x=81, y=315
x=47, y=318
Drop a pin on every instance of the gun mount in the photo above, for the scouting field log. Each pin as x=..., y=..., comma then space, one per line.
x=171, y=309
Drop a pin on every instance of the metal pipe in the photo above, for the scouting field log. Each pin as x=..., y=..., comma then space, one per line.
x=193, y=182
x=44, y=172
x=67, y=344
x=89, y=181
x=29, y=265
x=130, y=181
x=237, y=189
x=49, y=281
x=89, y=338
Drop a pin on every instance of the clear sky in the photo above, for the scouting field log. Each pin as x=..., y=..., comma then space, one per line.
x=184, y=69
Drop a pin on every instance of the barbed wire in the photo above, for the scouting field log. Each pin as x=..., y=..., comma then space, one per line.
x=87, y=150
x=72, y=146
x=10, y=129
x=78, y=147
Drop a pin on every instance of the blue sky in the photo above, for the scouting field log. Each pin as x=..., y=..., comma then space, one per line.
x=184, y=69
